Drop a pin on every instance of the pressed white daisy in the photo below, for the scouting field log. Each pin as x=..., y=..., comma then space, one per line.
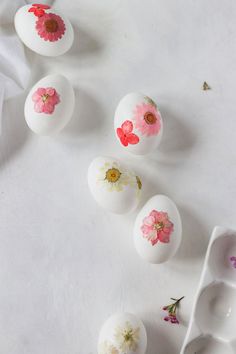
x=107, y=348
x=112, y=176
x=127, y=337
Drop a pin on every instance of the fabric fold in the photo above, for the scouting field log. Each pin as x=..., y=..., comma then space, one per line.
x=14, y=67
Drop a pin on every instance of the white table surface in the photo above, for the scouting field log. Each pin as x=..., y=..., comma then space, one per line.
x=66, y=264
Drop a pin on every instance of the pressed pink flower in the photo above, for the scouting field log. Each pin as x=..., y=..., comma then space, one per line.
x=147, y=119
x=50, y=27
x=45, y=100
x=157, y=227
x=172, y=309
x=125, y=134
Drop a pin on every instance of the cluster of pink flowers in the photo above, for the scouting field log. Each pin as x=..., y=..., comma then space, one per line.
x=45, y=100
x=157, y=227
x=172, y=309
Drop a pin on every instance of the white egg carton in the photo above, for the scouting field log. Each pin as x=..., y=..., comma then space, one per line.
x=212, y=327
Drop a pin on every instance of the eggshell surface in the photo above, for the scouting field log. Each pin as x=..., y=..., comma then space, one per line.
x=158, y=230
x=138, y=124
x=113, y=185
x=122, y=333
x=49, y=105
x=44, y=30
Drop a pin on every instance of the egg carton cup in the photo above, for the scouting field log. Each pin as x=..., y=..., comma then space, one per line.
x=212, y=327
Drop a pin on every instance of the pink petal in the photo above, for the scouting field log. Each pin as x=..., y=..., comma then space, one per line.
x=41, y=91
x=39, y=107
x=123, y=140
x=36, y=97
x=153, y=237
x=127, y=126
x=50, y=91
x=119, y=132
x=149, y=220
x=146, y=229
x=53, y=99
x=163, y=237
x=162, y=216
x=154, y=214
x=48, y=108
x=133, y=139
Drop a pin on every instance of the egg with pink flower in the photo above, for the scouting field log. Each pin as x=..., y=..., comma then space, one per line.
x=49, y=105
x=44, y=30
x=138, y=124
x=158, y=230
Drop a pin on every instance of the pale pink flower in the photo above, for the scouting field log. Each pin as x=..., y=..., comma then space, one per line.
x=157, y=227
x=147, y=119
x=50, y=27
x=45, y=100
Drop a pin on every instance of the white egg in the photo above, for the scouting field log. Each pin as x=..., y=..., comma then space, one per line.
x=113, y=185
x=44, y=30
x=122, y=333
x=49, y=105
x=138, y=124
x=158, y=230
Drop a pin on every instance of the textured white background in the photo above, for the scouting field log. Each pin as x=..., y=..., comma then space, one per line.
x=66, y=264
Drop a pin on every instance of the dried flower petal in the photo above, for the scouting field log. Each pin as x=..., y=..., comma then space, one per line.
x=205, y=86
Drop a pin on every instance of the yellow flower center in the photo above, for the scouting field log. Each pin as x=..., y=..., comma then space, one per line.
x=150, y=118
x=128, y=336
x=45, y=97
x=159, y=226
x=113, y=175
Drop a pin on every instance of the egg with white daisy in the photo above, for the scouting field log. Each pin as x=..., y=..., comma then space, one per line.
x=122, y=333
x=114, y=185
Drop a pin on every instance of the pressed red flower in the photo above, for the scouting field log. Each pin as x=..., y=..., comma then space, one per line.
x=125, y=134
x=172, y=309
x=38, y=9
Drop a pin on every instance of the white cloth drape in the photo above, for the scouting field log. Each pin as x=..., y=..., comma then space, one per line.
x=14, y=68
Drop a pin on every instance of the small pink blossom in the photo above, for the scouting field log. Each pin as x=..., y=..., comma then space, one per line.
x=172, y=311
x=157, y=227
x=45, y=100
x=147, y=119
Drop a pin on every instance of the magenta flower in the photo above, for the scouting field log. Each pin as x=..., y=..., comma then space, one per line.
x=45, y=100
x=233, y=261
x=50, y=27
x=172, y=309
x=147, y=119
x=157, y=227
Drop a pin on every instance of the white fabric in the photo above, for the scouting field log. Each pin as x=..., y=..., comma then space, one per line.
x=14, y=68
